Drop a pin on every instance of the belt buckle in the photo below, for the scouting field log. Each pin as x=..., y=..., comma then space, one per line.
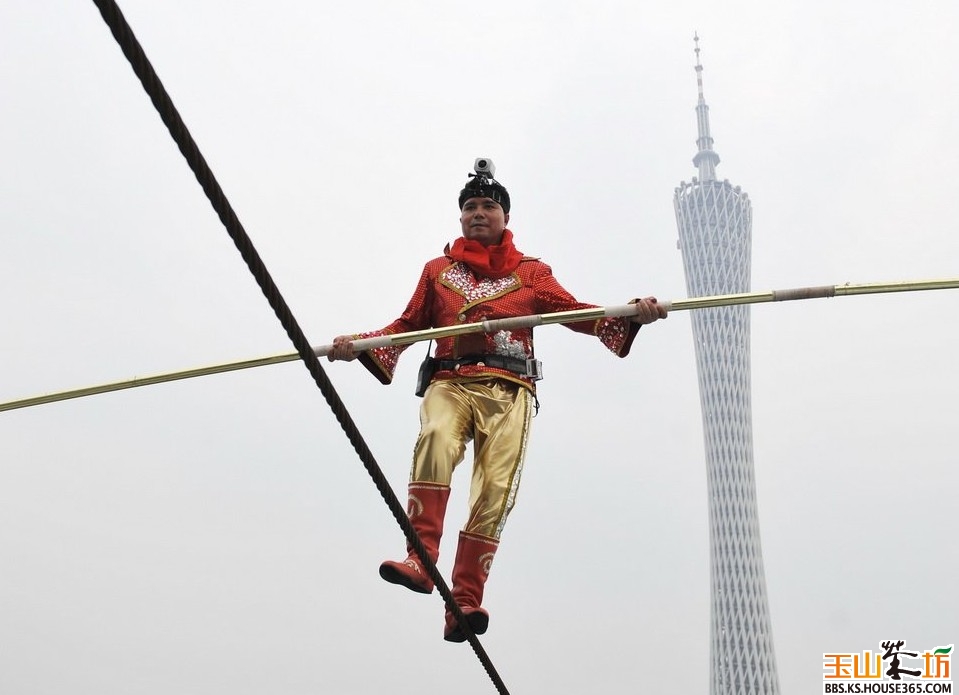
x=534, y=369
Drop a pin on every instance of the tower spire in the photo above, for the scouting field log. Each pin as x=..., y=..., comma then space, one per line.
x=706, y=159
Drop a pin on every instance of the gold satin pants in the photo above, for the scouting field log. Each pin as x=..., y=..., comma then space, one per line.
x=496, y=415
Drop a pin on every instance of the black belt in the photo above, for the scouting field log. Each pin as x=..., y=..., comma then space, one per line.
x=517, y=365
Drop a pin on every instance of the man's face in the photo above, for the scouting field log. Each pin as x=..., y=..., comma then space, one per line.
x=483, y=220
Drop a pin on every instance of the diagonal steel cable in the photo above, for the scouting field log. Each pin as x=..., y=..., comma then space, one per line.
x=134, y=53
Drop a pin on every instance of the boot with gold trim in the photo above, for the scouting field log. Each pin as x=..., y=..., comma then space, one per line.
x=474, y=556
x=426, y=509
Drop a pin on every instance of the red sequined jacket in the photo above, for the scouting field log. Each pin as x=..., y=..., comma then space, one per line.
x=448, y=293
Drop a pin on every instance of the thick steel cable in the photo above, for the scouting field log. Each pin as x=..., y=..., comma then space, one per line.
x=134, y=53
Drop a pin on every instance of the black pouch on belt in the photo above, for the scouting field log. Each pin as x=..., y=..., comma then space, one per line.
x=427, y=370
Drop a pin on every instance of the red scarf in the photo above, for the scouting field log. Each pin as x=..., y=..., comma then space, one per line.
x=494, y=261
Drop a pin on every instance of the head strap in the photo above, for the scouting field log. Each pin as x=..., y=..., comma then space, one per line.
x=480, y=186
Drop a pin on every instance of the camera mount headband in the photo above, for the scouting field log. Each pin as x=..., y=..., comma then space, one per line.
x=483, y=185
x=480, y=186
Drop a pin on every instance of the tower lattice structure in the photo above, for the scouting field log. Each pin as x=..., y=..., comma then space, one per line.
x=715, y=227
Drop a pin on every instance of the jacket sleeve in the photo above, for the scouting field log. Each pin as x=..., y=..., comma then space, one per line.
x=381, y=362
x=617, y=334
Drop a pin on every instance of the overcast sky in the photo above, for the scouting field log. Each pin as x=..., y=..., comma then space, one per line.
x=219, y=535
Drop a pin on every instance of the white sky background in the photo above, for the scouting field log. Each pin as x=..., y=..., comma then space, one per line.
x=220, y=536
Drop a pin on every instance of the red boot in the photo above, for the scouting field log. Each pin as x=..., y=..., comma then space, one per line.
x=426, y=509
x=474, y=555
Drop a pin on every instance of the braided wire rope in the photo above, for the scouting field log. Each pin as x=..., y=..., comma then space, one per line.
x=141, y=65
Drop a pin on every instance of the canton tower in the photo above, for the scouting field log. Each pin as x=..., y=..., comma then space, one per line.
x=715, y=226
